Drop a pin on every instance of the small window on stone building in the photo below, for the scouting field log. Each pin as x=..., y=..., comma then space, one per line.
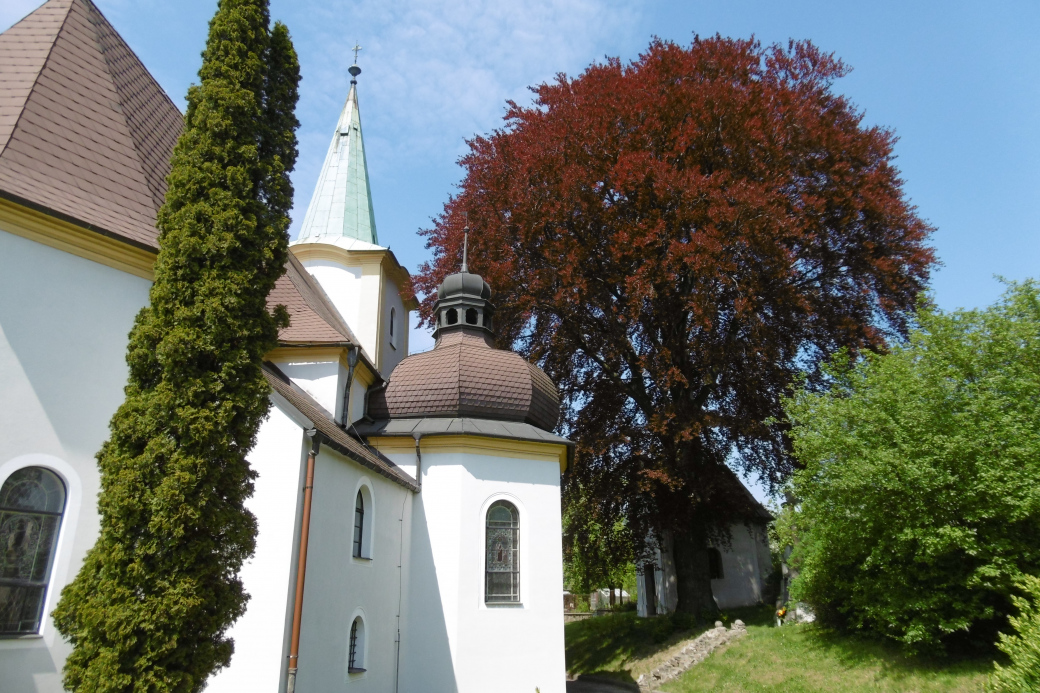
x=32, y=502
x=502, y=563
x=471, y=316
x=715, y=564
x=359, y=524
x=356, y=655
x=453, y=316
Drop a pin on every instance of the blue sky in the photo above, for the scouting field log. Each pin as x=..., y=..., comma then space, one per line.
x=959, y=82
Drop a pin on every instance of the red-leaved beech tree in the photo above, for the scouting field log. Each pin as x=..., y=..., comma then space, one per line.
x=676, y=241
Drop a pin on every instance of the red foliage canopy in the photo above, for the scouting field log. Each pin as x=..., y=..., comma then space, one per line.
x=674, y=241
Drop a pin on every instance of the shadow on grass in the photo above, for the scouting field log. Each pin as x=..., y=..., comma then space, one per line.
x=607, y=645
x=851, y=651
x=604, y=645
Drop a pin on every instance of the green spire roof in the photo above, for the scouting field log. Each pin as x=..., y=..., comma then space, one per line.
x=342, y=203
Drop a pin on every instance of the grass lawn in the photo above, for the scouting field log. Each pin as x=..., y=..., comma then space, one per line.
x=791, y=659
x=621, y=646
x=798, y=658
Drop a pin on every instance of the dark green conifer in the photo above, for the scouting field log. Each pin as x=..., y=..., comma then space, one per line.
x=151, y=606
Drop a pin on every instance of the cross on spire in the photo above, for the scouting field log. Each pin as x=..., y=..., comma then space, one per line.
x=356, y=48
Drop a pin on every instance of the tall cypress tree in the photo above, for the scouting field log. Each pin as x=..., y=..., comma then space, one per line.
x=150, y=608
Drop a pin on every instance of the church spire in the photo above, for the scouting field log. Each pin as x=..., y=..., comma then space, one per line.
x=341, y=206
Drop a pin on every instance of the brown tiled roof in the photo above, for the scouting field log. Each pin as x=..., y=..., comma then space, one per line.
x=332, y=435
x=463, y=377
x=85, y=131
x=314, y=320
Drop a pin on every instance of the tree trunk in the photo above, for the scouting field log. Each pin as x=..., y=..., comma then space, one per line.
x=692, y=575
x=611, y=597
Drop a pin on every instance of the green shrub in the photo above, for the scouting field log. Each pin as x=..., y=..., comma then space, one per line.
x=919, y=503
x=1023, y=675
x=152, y=603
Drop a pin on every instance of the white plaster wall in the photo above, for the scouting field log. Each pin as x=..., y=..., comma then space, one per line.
x=323, y=380
x=64, y=322
x=452, y=640
x=340, y=586
x=261, y=634
x=357, y=400
x=742, y=583
x=343, y=286
x=393, y=351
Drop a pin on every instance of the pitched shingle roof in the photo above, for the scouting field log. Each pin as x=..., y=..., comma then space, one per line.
x=314, y=320
x=332, y=435
x=85, y=131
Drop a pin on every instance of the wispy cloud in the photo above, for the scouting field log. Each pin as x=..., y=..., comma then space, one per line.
x=437, y=71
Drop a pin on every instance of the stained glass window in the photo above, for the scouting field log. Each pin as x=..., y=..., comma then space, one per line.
x=502, y=563
x=359, y=524
x=32, y=501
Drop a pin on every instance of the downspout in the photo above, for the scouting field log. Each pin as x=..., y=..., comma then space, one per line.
x=400, y=562
x=352, y=359
x=418, y=461
x=301, y=569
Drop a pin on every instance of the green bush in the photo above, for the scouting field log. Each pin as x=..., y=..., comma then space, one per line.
x=153, y=601
x=919, y=502
x=1023, y=675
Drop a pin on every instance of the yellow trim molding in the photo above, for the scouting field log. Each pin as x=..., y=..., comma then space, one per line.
x=76, y=240
x=476, y=445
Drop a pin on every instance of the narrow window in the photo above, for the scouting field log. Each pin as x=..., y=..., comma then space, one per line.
x=393, y=319
x=715, y=564
x=359, y=524
x=502, y=566
x=32, y=501
x=355, y=659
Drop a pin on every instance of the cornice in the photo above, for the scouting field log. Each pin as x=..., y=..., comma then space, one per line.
x=474, y=444
x=83, y=240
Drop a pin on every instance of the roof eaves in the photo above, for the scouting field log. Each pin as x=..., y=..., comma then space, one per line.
x=331, y=434
x=77, y=222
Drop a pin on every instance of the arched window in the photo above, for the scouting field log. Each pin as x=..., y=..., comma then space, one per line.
x=471, y=316
x=356, y=656
x=359, y=524
x=502, y=566
x=453, y=316
x=715, y=564
x=32, y=501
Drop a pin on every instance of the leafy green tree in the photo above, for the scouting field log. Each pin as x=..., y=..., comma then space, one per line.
x=1023, y=674
x=919, y=501
x=151, y=605
x=597, y=544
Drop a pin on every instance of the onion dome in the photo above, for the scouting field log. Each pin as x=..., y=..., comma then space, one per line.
x=464, y=376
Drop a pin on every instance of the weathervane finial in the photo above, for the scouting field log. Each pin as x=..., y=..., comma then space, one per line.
x=465, y=242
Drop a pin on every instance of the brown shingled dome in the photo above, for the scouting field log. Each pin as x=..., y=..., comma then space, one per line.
x=463, y=376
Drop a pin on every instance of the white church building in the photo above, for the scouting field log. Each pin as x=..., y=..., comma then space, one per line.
x=408, y=506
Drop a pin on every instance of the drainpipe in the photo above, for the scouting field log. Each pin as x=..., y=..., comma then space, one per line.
x=301, y=569
x=352, y=359
x=418, y=461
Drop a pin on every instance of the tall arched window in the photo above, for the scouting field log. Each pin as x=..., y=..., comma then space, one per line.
x=502, y=565
x=359, y=524
x=356, y=655
x=32, y=501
